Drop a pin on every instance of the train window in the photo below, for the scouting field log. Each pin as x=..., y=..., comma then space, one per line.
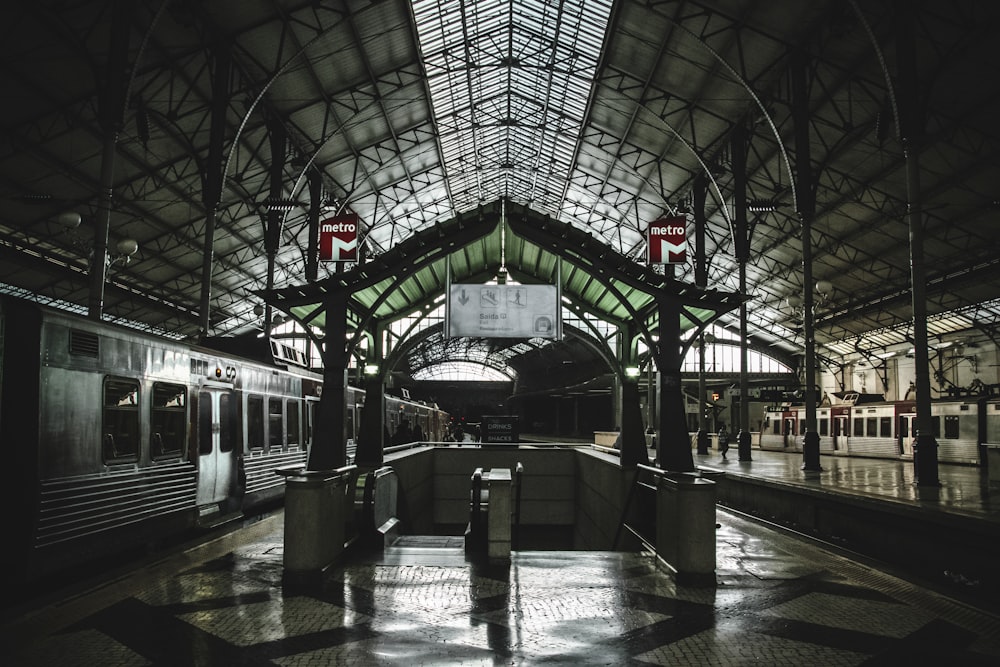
x=275, y=427
x=121, y=419
x=204, y=423
x=227, y=423
x=871, y=427
x=951, y=427
x=776, y=427
x=292, y=423
x=824, y=427
x=936, y=426
x=169, y=419
x=255, y=422
x=312, y=408
x=885, y=427
x=859, y=427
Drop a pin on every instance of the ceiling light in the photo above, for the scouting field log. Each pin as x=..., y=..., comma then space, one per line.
x=69, y=219
x=281, y=204
x=762, y=205
x=128, y=247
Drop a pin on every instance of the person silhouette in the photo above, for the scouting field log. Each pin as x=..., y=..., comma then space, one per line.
x=723, y=441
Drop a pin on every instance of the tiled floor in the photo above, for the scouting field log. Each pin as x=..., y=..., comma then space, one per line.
x=778, y=601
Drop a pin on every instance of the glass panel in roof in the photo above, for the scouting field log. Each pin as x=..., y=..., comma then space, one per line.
x=460, y=371
x=962, y=319
x=509, y=84
x=417, y=321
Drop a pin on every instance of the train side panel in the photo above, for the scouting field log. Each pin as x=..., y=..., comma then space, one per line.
x=887, y=429
x=991, y=422
x=118, y=439
x=956, y=429
x=99, y=487
x=872, y=431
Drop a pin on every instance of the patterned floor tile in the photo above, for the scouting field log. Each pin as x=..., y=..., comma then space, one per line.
x=881, y=618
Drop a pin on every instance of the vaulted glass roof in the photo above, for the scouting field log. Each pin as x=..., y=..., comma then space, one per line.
x=509, y=85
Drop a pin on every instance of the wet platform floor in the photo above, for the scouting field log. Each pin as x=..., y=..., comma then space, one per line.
x=778, y=601
x=960, y=489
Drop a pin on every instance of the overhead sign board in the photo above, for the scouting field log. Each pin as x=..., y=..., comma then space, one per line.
x=500, y=428
x=338, y=239
x=667, y=241
x=503, y=311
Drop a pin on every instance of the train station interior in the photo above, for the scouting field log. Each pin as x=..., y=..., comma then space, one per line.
x=448, y=332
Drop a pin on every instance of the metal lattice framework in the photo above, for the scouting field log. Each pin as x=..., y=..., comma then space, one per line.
x=602, y=115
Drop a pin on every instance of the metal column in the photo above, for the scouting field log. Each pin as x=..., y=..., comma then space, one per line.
x=806, y=192
x=925, y=454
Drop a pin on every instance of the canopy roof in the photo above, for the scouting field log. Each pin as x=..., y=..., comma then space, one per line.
x=503, y=238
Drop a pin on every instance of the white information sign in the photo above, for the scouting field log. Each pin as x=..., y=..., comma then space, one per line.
x=503, y=311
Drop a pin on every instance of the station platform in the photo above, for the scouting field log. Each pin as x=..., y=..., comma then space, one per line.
x=962, y=490
x=778, y=600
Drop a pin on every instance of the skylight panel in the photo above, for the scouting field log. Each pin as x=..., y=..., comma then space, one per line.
x=509, y=84
x=461, y=371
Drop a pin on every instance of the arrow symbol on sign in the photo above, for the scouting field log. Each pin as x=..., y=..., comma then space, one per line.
x=463, y=299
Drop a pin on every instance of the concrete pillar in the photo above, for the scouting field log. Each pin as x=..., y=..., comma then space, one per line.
x=685, y=527
x=316, y=507
x=498, y=522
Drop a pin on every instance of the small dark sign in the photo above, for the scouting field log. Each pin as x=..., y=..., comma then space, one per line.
x=500, y=429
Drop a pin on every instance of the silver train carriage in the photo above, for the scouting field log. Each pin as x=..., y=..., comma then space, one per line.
x=119, y=439
x=963, y=427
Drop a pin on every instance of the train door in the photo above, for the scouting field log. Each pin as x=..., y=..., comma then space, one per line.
x=840, y=432
x=216, y=435
x=788, y=428
x=904, y=433
x=352, y=427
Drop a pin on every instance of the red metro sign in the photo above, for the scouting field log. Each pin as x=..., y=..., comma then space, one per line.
x=666, y=240
x=338, y=239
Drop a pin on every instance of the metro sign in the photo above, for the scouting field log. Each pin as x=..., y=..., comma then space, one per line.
x=667, y=241
x=338, y=239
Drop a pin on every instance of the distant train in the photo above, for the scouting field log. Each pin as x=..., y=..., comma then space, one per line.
x=114, y=438
x=860, y=426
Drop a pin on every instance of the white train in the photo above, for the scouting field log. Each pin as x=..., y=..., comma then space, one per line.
x=864, y=425
x=114, y=439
